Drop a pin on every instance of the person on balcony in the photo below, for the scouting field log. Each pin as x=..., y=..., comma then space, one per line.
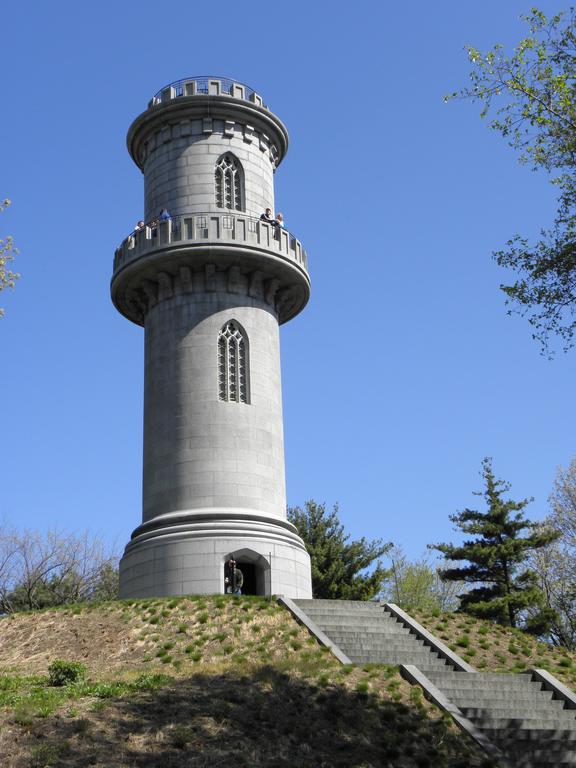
x=268, y=218
x=279, y=221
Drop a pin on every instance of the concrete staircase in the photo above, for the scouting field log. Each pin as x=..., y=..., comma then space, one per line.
x=516, y=714
x=510, y=711
x=367, y=634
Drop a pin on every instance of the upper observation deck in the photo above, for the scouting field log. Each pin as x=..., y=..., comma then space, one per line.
x=209, y=98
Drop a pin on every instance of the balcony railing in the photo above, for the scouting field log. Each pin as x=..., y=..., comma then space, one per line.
x=208, y=85
x=211, y=227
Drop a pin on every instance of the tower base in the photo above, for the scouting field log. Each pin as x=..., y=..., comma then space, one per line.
x=183, y=553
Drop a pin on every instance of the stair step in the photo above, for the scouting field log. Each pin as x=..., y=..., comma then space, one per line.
x=543, y=735
x=504, y=698
x=534, y=723
x=547, y=755
x=462, y=681
x=379, y=642
x=517, y=710
x=365, y=622
x=342, y=604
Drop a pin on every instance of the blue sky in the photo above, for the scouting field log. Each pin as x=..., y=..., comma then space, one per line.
x=402, y=373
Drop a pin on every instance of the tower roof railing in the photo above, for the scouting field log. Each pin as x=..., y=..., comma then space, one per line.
x=207, y=85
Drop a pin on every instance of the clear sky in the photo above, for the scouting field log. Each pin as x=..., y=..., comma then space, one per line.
x=401, y=374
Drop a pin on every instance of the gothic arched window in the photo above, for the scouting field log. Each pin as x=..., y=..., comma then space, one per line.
x=229, y=183
x=233, y=364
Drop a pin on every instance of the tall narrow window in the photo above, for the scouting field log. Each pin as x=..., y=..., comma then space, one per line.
x=233, y=373
x=229, y=183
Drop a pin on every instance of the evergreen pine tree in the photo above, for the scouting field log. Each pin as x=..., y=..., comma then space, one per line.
x=508, y=591
x=338, y=565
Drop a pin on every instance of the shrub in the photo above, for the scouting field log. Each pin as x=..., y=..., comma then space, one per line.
x=65, y=672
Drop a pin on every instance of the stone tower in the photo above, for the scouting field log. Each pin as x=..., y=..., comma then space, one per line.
x=210, y=283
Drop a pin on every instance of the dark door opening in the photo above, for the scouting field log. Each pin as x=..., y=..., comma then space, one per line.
x=255, y=571
x=249, y=573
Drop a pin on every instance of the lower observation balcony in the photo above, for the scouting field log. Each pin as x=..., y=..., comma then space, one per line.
x=221, y=241
x=200, y=228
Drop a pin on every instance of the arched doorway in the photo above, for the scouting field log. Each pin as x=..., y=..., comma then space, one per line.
x=255, y=570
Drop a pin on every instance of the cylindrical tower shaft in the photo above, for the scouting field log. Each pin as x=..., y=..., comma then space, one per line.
x=201, y=451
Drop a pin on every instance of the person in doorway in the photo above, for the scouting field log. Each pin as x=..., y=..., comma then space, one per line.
x=238, y=581
x=229, y=568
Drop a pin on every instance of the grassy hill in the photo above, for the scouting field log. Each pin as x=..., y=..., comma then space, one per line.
x=206, y=682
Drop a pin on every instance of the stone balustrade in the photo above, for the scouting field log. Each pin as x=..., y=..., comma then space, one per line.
x=206, y=86
x=194, y=229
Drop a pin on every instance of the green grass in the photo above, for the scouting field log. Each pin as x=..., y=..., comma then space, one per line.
x=34, y=696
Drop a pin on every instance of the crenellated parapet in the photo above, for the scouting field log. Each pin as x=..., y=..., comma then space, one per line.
x=206, y=85
x=209, y=252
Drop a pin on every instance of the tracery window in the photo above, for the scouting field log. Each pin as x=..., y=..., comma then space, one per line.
x=229, y=183
x=233, y=373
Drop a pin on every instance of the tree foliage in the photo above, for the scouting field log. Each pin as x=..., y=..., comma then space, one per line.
x=416, y=585
x=339, y=566
x=39, y=570
x=530, y=98
x=497, y=553
x=7, y=253
x=555, y=565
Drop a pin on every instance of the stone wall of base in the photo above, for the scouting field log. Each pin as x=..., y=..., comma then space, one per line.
x=171, y=565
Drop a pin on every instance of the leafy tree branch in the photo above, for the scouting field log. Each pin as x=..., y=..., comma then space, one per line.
x=529, y=97
x=7, y=253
